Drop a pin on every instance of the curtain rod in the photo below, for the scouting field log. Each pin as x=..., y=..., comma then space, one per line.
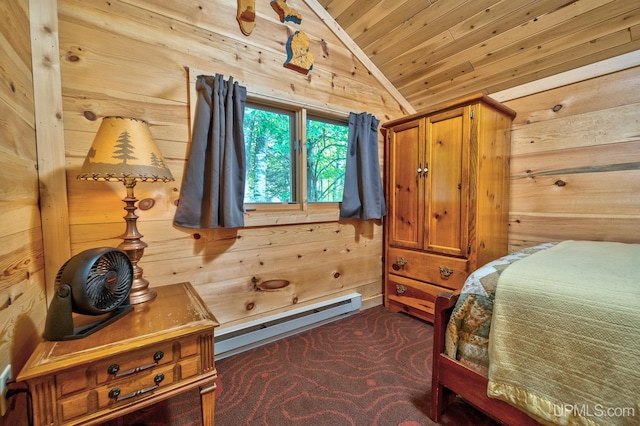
x=299, y=103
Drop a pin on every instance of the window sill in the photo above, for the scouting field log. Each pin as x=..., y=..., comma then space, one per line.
x=290, y=217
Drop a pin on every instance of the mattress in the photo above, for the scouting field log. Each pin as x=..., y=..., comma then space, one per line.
x=467, y=333
x=555, y=330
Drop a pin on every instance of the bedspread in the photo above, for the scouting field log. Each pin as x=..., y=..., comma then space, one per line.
x=564, y=343
x=467, y=333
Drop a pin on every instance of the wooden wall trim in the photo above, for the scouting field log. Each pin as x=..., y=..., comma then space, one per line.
x=328, y=20
x=47, y=96
x=586, y=72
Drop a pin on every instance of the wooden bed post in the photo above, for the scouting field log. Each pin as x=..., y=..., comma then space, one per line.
x=440, y=396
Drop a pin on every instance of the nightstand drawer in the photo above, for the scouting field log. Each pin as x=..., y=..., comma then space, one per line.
x=135, y=362
x=70, y=382
x=125, y=389
x=136, y=387
x=122, y=391
x=449, y=272
x=190, y=367
x=78, y=405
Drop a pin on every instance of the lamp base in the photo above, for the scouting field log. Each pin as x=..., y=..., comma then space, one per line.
x=140, y=292
x=134, y=247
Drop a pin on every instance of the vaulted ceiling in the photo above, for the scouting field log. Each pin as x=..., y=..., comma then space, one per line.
x=437, y=50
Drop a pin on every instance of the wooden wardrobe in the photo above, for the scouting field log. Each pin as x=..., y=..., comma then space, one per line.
x=447, y=191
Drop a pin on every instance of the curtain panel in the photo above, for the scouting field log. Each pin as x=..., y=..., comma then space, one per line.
x=363, y=195
x=212, y=192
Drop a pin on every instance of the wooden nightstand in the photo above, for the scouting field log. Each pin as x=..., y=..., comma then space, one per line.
x=160, y=349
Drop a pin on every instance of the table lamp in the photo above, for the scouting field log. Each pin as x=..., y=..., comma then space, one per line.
x=124, y=151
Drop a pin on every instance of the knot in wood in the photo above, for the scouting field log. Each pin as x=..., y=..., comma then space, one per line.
x=146, y=204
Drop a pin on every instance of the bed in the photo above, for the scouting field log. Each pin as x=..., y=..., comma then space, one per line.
x=546, y=335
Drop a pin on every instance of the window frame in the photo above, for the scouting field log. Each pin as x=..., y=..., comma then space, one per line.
x=300, y=211
x=327, y=119
x=294, y=153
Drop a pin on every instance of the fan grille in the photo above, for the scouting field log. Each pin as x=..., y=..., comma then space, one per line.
x=108, y=280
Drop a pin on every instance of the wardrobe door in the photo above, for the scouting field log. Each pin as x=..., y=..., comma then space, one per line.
x=447, y=183
x=405, y=145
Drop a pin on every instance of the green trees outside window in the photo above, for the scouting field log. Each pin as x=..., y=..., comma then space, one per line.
x=269, y=144
x=275, y=149
x=326, y=160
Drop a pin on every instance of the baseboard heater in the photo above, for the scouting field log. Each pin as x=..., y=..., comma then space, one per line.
x=236, y=339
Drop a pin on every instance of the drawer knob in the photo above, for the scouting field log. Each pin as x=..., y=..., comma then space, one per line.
x=114, y=393
x=400, y=262
x=445, y=272
x=159, y=377
x=113, y=369
x=158, y=356
x=400, y=289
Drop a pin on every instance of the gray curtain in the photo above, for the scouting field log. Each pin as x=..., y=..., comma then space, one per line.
x=363, y=196
x=212, y=191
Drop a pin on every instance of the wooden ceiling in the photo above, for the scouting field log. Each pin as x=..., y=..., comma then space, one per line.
x=437, y=50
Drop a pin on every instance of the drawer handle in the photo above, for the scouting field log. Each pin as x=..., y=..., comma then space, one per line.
x=445, y=272
x=400, y=289
x=400, y=262
x=115, y=392
x=115, y=368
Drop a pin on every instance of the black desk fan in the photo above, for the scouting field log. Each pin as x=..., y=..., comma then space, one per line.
x=94, y=282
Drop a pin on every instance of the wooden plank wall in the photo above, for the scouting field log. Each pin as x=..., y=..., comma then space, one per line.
x=575, y=162
x=575, y=173
x=22, y=283
x=128, y=57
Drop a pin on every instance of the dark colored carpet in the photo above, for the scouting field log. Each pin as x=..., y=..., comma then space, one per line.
x=372, y=368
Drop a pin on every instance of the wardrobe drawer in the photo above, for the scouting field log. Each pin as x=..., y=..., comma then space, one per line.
x=449, y=272
x=411, y=296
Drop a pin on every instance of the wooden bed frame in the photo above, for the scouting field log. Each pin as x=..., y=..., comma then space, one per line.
x=450, y=378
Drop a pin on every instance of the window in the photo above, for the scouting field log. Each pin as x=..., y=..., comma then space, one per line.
x=326, y=160
x=271, y=161
x=279, y=141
